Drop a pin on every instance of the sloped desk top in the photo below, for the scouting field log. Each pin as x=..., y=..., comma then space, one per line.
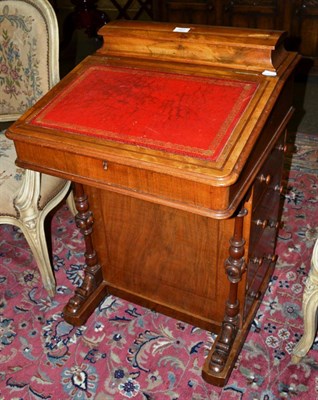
x=164, y=132
x=185, y=115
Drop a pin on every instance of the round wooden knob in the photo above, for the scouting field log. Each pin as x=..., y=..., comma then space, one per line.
x=257, y=260
x=282, y=147
x=279, y=188
x=262, y=223
x=255, y=295
x=265, y=179
x=272, y=257
x=274, y=224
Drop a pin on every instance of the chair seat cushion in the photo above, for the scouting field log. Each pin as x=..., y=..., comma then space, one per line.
x=11, y=178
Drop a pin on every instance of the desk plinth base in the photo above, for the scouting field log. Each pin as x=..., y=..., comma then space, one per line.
x=209, y=375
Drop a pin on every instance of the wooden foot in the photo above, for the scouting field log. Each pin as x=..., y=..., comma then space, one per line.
x=93, y=289
x=219, y=365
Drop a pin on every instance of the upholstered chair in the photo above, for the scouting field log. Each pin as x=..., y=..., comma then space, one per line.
x=28, y=69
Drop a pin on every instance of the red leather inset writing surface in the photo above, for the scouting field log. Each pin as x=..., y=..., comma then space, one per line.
x=181, y=114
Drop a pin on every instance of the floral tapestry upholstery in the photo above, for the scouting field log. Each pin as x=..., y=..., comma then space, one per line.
x=24, y=75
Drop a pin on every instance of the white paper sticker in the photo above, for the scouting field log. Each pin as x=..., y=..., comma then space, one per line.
x=182, y=30
x=269, y=73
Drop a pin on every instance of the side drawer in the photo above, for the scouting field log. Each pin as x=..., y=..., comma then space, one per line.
x=253, y=292
x=260, y=257
x=265, y=218
x=269, y=176
x=260, y=261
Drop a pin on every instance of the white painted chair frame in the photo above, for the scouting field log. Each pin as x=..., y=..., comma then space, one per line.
x=310, y=308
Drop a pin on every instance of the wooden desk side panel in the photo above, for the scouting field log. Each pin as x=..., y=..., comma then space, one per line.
x=166, y=259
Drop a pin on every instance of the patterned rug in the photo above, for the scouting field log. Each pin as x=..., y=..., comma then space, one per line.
x=126, y=351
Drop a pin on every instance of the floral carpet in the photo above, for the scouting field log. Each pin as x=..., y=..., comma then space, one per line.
x=126, y=351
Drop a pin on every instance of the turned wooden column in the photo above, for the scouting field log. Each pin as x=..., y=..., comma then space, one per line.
x=234, y=267
x=93, y=273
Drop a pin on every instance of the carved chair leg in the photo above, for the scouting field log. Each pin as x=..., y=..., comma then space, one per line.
x=310, y=308
x=310, y=327
x=36, y=238
x=31, y=221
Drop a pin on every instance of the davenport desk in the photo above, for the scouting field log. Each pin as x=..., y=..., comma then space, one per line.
x=174, y=139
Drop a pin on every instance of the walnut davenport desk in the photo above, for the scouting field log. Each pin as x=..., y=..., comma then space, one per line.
x=174, y=139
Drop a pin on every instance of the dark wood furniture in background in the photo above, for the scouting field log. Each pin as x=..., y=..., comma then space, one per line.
x=174, y=139
x=133, y=9
x=80, y=20
x=298, y=17
x=85, y=16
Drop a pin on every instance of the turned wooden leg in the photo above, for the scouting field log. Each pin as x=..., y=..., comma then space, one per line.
x=310, y=307
x=234, y=266
x=87, y=296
